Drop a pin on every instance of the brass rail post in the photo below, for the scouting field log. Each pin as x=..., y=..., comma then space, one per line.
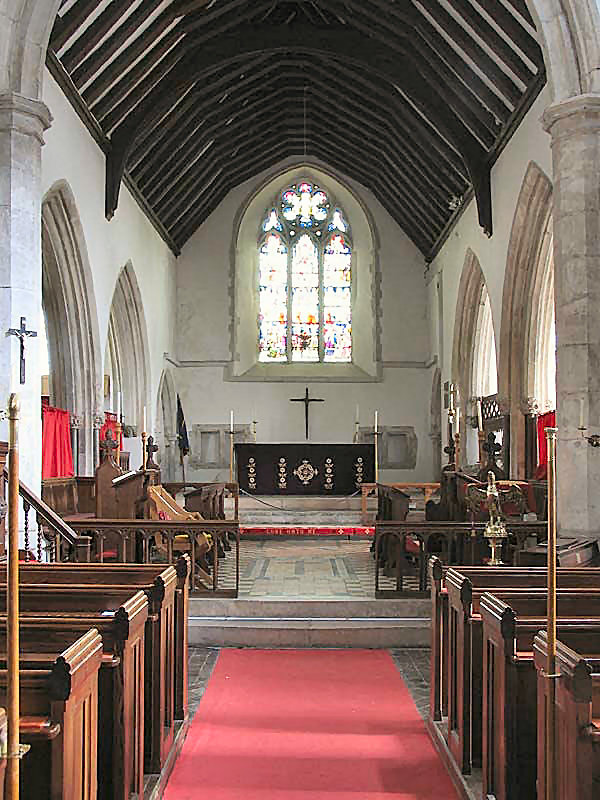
x=551, y=625
x=12, y=602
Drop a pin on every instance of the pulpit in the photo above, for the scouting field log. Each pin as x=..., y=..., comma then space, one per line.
x=304, y=468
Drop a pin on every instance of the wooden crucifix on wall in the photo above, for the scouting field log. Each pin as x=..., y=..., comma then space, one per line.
x=307, y=401
x=21, y=333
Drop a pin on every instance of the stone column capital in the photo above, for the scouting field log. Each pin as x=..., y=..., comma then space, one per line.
x=24, y=115
x=583, y=110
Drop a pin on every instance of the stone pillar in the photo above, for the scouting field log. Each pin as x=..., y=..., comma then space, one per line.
x=574, y=126
x=22, y=125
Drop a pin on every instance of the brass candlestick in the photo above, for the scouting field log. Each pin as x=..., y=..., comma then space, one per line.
x=551, y=788
x=144, y=454
x=119, y=430
x=495, y=531
x=14, y=750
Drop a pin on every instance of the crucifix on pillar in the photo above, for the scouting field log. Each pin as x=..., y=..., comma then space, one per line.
x=21, y=333
x=307, y=401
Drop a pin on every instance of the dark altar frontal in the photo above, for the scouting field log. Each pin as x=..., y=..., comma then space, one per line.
x=319, y=469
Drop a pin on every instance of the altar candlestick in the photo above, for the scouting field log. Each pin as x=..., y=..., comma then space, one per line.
x=581, y=414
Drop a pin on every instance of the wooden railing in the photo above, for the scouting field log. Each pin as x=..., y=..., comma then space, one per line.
x=135, y=541
x=229, y=490
x=402, y=550
x=54, y=538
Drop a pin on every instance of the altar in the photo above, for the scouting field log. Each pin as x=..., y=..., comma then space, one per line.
x=304, y=468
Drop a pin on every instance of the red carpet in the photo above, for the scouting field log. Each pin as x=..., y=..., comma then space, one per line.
x=308, y=725
x=304, y=530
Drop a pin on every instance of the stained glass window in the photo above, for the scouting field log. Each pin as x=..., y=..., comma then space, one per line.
x=305, y=279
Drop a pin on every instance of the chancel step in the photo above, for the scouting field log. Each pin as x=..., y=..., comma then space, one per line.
x=309, y=623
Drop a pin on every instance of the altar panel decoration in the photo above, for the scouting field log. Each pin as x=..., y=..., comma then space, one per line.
x=305, y=279
x=304, y=469
x=57, y=454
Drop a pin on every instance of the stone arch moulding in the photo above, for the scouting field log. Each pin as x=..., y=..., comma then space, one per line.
x=366, y=323
x=471, y=291
x=528, y=252
x=128, y=346
x=69, y=305
x=166, y=425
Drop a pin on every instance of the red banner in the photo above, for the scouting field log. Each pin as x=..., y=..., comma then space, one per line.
x=57, y=454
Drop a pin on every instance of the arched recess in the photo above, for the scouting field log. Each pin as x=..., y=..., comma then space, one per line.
x=526, y=348
x=166, y=426
x=69, y=307
x=435, y=432
x=474, y=364
x=126, y=358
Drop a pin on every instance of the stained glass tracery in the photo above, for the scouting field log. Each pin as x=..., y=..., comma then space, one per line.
x=305, y=279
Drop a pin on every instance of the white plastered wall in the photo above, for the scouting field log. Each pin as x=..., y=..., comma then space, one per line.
x=401, y=392
x=530, y=143
x=70, y=154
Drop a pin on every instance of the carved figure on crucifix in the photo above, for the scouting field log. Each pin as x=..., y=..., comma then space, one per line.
x=151, y=448
x=307, y=401
x=491, y=448
x=108, y=446
x=21, y=333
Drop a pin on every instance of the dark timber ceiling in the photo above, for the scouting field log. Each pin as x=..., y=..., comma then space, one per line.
x=412, y=98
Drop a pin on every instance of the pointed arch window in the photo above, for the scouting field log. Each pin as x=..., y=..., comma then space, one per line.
x=305, y=279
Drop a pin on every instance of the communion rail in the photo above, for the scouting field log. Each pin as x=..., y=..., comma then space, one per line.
x=402, y=550
x=135, y=541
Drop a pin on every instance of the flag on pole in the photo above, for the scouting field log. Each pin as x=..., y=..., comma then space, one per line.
x=182, y=435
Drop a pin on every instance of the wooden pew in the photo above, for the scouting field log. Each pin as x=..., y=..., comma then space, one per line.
x=511, y=621
x=465, y=656
x=59, y=717
x=159, y=648
x=135, y=576
x=577, y=699
x=487, y=577
x=121, y=683
x=153, y=580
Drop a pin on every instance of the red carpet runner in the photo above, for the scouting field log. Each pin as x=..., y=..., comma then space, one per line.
x=308, y=725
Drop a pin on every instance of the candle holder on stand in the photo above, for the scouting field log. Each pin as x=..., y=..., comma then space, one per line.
x=144, y=454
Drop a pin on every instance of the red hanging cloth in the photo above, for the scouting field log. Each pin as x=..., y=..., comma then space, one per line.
x=544, y=421
x=110, y=424
x=57, y=454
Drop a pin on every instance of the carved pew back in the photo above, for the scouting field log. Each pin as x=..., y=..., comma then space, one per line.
x=511, y=621
x=465, y=648
x=59, y=713
x=135, y=576
x=577, y=700
x=159, y=649
x=121, y=684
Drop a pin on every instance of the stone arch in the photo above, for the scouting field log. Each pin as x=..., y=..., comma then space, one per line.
x=69, y=306
x=127, y=347
x=524, y=301
x=472, y=295
x=435, y=431
x=166, y=425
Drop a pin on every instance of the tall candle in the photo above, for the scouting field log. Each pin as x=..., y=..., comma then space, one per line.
x=479, y=415
x=231, y=421
x=451, y=408
x=581, y=415
x=144, y=421
x=376, y=421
